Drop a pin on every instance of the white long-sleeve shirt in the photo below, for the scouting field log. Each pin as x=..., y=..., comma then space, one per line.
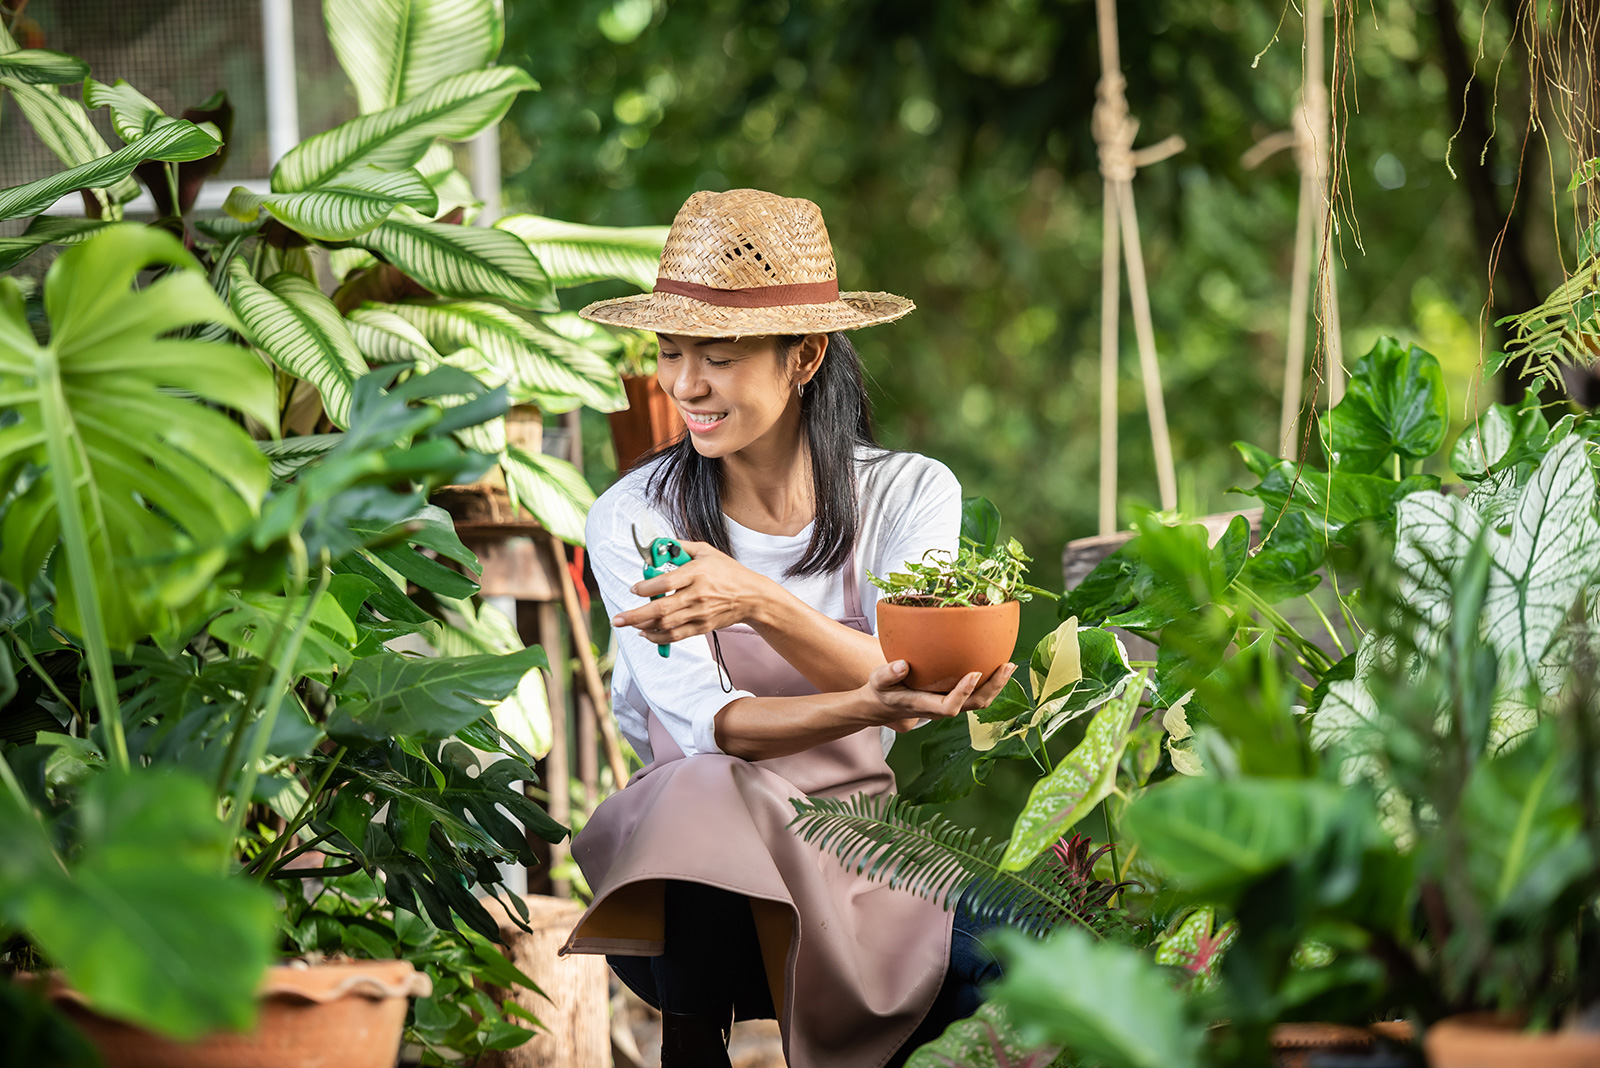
x=908, y=505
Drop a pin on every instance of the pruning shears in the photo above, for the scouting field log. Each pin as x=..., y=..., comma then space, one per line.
x=660, y=556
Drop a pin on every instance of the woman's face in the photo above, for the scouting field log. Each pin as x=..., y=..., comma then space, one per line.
x=735, y=392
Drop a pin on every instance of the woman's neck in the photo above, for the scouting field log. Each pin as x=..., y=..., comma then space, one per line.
x=766, y=486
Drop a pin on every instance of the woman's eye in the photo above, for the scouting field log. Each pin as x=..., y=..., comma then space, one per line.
x=717, y=363
x=664, y=355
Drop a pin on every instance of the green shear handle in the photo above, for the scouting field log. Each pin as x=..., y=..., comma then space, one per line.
x=660, y=556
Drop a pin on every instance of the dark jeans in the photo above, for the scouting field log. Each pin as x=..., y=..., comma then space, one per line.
x=713, y=963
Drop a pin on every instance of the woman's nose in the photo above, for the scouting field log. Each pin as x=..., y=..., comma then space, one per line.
x=689, y=383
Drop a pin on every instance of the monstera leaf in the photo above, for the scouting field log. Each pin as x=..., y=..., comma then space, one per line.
x=1394, y=405
x=393, y=50
x=430, y=697
x=574, y=254
x=129, y=472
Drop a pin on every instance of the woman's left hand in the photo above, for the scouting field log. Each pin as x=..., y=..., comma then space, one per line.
x=712, y=591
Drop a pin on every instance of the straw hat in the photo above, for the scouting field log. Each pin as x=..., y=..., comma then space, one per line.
x=746, y=263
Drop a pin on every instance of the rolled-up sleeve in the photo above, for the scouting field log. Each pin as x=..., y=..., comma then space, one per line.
x=685, y=690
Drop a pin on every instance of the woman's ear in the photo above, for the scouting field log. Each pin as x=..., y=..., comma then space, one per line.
x=808, y=355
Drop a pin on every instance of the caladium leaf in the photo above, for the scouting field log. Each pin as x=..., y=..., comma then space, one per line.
x=290, y=320
x=986, y=1039
x=344, y=207
x=456, y=108
x=1394, y=405
x=172, y=142
x=393, y=50
x=1084, y=778
x=464, y=261
x=574, y=254
x=1195, y=943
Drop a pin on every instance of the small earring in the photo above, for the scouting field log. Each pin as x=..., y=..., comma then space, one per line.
x=802, y=391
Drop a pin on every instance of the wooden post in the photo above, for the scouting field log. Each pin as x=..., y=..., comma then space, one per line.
x=575, y=1008
x=540, y=623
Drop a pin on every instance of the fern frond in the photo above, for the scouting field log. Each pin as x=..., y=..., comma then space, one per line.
x=891, y=841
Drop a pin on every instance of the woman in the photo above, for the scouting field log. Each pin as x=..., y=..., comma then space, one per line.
x=773, y=686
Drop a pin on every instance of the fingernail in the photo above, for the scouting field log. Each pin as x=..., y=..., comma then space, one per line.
x=616, y=621
x=898, y=665
x=634, y=588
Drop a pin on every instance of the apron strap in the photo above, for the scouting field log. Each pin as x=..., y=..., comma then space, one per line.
x=852, y=589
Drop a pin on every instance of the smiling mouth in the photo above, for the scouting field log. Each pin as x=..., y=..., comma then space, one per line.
x=703, y=421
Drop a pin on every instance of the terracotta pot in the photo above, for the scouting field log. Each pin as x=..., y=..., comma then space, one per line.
x=1294, y=1044
x=344, y=1015
x=1486, y=1040
x=649, y=420
x=942, y=644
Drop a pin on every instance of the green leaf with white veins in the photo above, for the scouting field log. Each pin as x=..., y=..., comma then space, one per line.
x=132, y=113
x=1546, y=562
x=173, y=142
x=551, y=489
x=384, y=337
x=457, y=108
x=35, y=66
x=538, y=366
x=342, y=208
x=393, y=50
x=290, y=320
x=574, y=254
x=1393, y=405
x=46, y=230
x=464, y=261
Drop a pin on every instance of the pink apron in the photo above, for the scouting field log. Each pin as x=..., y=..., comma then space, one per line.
x=853, y=965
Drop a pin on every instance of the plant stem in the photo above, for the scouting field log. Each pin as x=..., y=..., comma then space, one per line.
x=44, y=676
x=1337, y=644
x=14, y=788
x=264, y=862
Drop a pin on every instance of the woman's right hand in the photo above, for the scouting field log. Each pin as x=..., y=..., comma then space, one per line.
x=899, y=706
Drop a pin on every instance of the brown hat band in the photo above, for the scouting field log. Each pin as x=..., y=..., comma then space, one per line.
x=756, y=296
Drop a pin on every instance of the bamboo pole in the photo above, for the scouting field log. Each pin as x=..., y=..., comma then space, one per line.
x=1110, y=300
x=587, y=665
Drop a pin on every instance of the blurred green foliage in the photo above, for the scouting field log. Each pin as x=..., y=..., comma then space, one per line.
x=948, y=144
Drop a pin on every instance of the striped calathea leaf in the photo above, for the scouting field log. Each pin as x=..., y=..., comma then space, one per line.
x=393, y=50
x=465, y=262
x=574, y=254
x=289, y=319
x=171, y=142
x=344, y=207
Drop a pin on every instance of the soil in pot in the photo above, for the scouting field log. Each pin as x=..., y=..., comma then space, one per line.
x=1484, y=1040
x=942, y=644
x=342, y=1015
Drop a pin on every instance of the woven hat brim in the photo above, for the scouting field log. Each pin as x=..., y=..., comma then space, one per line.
x=669, y=313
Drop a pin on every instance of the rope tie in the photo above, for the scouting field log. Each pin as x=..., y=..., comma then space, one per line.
x=1114, y=129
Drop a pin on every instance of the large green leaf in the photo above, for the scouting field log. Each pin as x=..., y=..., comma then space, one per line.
x=392, y=694
x=35, y=66
x=551, y=489
x=395, y=49
x=1394, y=405
x=456, y=109
x=145, y=922
x=574, y=254
x=1212, y=836
x=464, y=261
x=470, y=629
x=1105, y=1002
x=430, y=528
x=344, y=207
x=142, y=486
x=1084, y=778
x=290, y=320
x=1329, y=502
x=536, y=365
x=171, y=142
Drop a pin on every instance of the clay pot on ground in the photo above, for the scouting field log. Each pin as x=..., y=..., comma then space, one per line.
x=575, y=1007
x=940, y=645
x=650, y=419
x=485, y=506
x=1484, y=1040
x=347, y=1014
x=1300, y=1045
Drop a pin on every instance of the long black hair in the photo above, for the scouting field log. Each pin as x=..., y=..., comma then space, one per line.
x=835, y=419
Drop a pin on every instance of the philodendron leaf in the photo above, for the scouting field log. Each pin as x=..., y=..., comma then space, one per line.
x=1084, y=778
x=391, y=694
x=456, y=108
x=1502, y=435
x=393, y=50
x=537, y=366
x=464, y=261
x=153, y=476
x=145, y=922
x=1329, y=502
x=35, y=66
x=290, y=320
x=1211, y=836
x=1106, y=1002
x=573, y=254
x=986, y=1039
x=1394, y=405
x=980, y=522
x=344, y=207
x=551, y=489
x=171, y=142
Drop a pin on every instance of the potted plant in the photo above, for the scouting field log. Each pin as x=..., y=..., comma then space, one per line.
x=651, y=419
x=955, y=612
